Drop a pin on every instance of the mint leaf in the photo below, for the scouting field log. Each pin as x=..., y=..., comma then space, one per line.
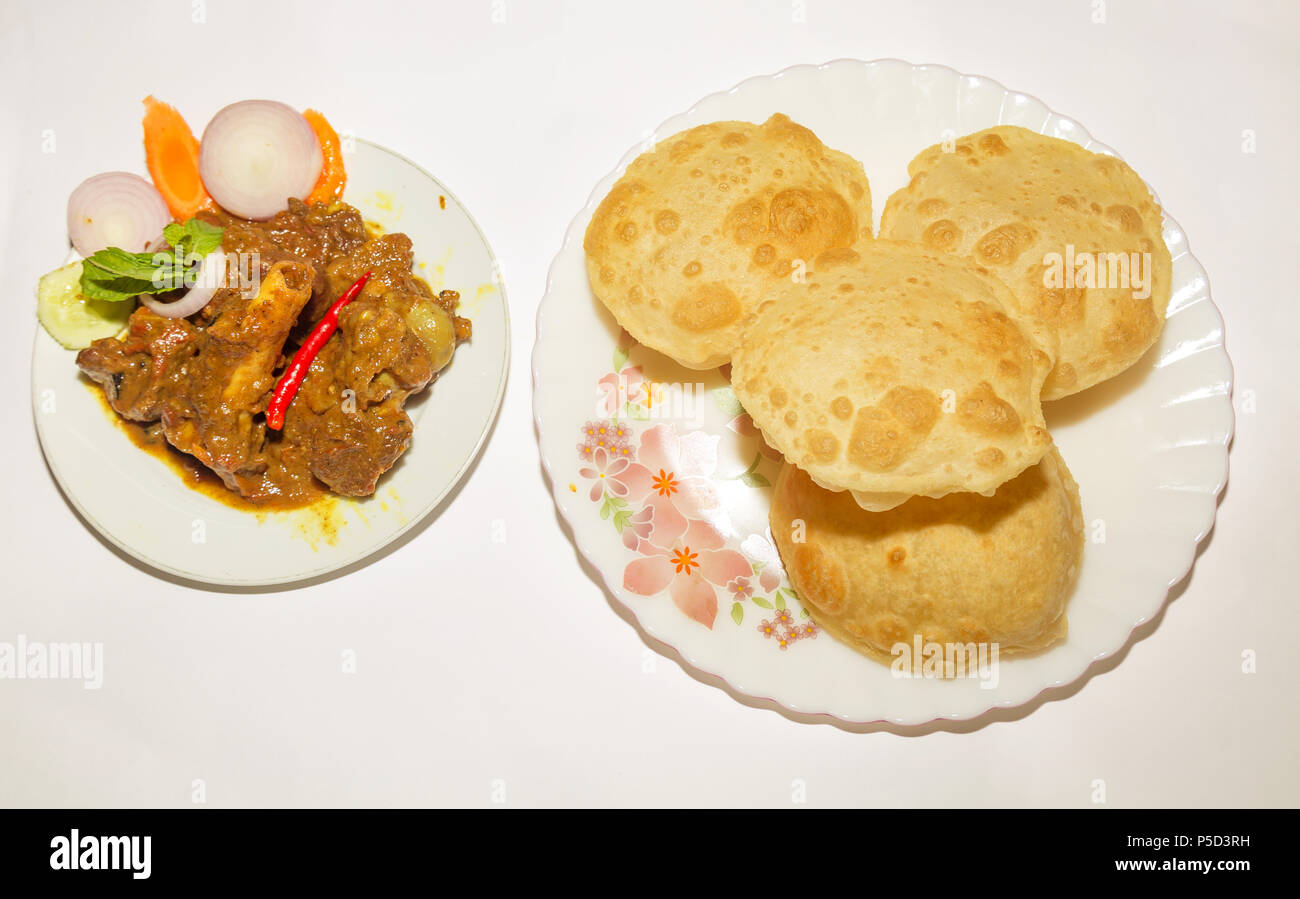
x=195, y=236
x=108, y=287
x=101, y=284
x=140, y=266
x=113, y=275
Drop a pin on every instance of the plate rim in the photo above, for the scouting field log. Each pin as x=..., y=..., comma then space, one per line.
x=588, y=554
x=156, y=567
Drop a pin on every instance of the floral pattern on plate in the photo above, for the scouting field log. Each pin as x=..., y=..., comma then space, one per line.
x=1149, y=448
x=655, y=485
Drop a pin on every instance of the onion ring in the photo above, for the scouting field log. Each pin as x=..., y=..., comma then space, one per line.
x=115, y=209
x=255, y=154
x=211, y=277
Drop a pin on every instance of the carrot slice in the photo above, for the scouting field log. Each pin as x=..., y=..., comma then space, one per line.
x=333, y=177
x=172, y=154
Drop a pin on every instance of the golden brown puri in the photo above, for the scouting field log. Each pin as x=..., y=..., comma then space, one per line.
x=1007, y=198
x=961, y=569
x=696, y=230
x=895, y=371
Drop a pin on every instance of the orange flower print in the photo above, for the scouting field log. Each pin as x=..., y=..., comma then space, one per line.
x=683, y=560
x=665, y=484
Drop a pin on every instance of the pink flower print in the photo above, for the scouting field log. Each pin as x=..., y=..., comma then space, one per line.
x=760, y=548
x=785, y=631
x=608, y=474
x=601, y=470
x=691, y=569
x=618, y=388
x=675, y=470
x=606, y=435
x=691, y=455
x=740, y=588
x=744, y=426
x=638, y=527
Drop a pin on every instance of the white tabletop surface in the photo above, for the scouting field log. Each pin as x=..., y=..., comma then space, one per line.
x=500, y=671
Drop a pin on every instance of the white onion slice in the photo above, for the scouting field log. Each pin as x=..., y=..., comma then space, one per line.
x=211, y=277
x=115, y=209
x=255, y=154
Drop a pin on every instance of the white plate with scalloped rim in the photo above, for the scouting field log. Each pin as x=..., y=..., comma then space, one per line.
x=1149, y=448
x=141, y=506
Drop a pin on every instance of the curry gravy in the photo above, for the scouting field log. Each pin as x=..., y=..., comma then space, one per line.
x=193, y=473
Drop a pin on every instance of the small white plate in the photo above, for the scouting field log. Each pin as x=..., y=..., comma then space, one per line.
x=1148, y=448
x=139, y=504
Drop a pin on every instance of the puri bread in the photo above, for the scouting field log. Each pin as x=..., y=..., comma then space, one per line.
x=964, y=568
x=1009, y=197
x=896, y=371
x=686, y=242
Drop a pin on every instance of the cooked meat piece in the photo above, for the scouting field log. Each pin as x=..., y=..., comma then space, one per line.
x=391, y=342
x=351, y=450
x=204, y=382
x=388, y=258
x=311, y=234
x=348, y=411
x=228, y=380
x=135, y=372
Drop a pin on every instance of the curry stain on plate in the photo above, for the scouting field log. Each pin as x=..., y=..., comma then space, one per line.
x=317, y=521
x=393, y=495
x=321, y=521
x=436, y=280
x=433, y=283
x=487, y=287
x=384, y=202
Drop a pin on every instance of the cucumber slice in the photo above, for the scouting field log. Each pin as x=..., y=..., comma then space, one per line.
x=71, y=318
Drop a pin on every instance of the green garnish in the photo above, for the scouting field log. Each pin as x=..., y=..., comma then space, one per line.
x=115, y=275
x=195, y=236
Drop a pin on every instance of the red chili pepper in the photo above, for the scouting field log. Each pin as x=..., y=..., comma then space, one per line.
x=287, y=387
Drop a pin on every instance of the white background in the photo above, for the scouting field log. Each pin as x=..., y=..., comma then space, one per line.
x=480, y=661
